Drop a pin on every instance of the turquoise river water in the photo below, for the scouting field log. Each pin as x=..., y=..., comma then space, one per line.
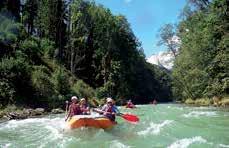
x=160, y=126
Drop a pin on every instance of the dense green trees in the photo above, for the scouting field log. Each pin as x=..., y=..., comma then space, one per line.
x=203, y=61
x=51, y=50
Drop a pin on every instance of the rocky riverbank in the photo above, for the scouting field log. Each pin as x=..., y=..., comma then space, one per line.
x=215, y=101
x=15, y=113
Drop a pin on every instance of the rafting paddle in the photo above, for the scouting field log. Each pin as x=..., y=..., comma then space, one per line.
x=128, y=117
x=66, y=110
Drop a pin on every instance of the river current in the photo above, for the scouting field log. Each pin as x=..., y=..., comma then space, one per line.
x=160, y=126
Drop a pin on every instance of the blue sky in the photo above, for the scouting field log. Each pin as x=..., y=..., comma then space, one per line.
x=146, y=17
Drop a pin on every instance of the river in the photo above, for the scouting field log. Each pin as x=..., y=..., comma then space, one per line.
x=160, y=126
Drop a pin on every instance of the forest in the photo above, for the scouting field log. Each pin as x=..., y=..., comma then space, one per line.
x=201, y=68
x=53, y=49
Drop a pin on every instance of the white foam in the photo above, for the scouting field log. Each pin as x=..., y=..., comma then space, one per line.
x=178, y=108
x=184, y=143
x=155, y=128
x=6, y=145
x=224, y=146
x=200, y=113
x=17, y=123
x=40, y=121
x=117, y=144
x=55, y=134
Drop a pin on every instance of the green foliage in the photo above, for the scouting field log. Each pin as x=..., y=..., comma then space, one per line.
x=199, y=102
x=30, y=14
x=81, y=89
x=202, y=64
x=101, y=92
x=73, y=48
x=31, y=47
x=189, y=101
x=42, y=83
x=50, y=22
x=47, y=48
x=61, y=81
x=14, y=74
x=8, y=30
x=46, y=91
x=7, y=92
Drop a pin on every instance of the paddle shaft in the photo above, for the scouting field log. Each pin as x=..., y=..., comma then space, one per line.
x=101, y=112
x=66, y=110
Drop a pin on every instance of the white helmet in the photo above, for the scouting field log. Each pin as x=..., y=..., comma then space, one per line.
x=109, y=100
x=83, y=99
x=74, y=98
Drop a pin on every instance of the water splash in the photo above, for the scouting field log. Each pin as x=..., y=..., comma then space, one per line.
x=223, y=145
x=117, y=144
x=200, y=113
x=155, y=128
x=184, y=143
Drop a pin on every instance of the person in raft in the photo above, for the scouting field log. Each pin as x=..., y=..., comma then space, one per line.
x=109, y=110
x=155, y=102
x=74, y=108
x=130, y=104
x=84, y=107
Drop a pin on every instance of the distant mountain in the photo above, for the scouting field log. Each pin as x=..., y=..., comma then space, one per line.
x=164, y=59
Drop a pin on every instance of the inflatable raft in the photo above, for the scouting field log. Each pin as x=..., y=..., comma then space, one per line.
x=78, y=121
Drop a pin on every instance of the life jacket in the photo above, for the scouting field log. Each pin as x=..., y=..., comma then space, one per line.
x=130, y=105
x=83, y=108
x=109, y=109
x=74, y=109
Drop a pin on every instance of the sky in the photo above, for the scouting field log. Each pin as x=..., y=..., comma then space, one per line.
x=146, y=18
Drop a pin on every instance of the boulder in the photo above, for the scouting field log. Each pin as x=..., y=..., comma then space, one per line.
x=16, y=115
x=1, y=114
x=27, y=111
x=57, y=111
x=37, y=111
x=216, y=101
x=225, y=103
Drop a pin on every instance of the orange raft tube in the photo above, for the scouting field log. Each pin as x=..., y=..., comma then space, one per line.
x=78, y=121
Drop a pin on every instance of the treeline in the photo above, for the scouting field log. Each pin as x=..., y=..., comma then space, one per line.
x=52, y=49
x=201, y=67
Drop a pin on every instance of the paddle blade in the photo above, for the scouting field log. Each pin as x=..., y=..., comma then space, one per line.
x=130, y=118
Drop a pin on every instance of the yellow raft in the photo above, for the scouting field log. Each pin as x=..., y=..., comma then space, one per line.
x=78, y=121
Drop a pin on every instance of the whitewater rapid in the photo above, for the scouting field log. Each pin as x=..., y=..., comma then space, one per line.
x=164, y=125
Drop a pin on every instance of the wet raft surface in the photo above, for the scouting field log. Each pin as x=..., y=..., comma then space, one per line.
x=166, y=125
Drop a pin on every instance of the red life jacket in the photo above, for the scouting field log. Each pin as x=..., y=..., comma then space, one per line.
x=74, y=109
x=109, y=109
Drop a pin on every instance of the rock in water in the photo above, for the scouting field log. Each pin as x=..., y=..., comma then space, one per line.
x=57, y=111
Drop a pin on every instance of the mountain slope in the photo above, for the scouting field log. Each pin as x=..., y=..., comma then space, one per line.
x=163, y=59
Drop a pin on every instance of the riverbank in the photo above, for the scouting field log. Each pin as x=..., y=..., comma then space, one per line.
x=13, y=112
x=215, y=101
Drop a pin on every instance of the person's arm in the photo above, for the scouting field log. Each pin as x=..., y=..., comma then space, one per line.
x=116, y=110
x=102, y=111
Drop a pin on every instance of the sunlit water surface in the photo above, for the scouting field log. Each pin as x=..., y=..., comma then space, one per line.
x=163, y=125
